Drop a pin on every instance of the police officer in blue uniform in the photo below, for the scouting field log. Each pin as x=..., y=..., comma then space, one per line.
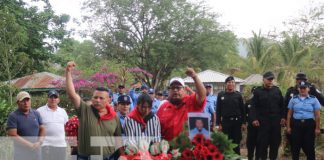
x=303, y=122
x=293, y=91
x=267, y=113
x=155, y=102
x=121, y=91
x=210, y=106
x=230, y=112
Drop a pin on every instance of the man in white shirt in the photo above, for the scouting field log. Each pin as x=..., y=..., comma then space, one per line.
x=54, y=119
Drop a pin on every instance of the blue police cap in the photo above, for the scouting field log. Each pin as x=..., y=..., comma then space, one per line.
x=151, y=91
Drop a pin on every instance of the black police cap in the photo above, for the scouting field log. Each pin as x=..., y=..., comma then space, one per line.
x=301, y=76
x=230, y=78
x=268, y=75
x=303, y=84
x=124, y=99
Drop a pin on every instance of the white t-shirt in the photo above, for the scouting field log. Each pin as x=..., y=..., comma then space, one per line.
x=54, y=122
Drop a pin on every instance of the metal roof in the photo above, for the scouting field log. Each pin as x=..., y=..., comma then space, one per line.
x=38, y=80
x=212, y=76
x=253, y=79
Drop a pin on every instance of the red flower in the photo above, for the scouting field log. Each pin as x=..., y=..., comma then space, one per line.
x=187, y=154
x=212, y=149
x=207, y=142
x=198, y=139
x=218, y=156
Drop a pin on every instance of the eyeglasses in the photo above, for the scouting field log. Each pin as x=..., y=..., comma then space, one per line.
x=270, y=79
x=176, y=88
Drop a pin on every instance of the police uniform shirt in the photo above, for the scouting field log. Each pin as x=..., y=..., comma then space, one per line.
x=267, y=102
x=210, y=104
x=229, y=104
x=304, y=107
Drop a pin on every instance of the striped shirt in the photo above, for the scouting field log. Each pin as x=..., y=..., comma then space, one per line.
x=134, y=132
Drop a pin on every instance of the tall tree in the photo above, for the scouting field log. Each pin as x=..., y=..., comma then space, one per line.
x=158, y=36
x=294, y=58
x=12, y=37
x=260, y=52
x=44, y=30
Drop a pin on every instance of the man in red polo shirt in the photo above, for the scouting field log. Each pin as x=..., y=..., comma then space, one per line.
x=174, y=112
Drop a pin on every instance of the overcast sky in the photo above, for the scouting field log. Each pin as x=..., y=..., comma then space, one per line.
x=242, y=16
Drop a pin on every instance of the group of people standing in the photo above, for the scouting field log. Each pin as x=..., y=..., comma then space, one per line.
x=140, y=115
x=267, y=112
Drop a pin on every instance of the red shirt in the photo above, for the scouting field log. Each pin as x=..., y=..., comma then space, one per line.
x=172, y=118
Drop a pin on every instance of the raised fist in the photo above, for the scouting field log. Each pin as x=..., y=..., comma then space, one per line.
x=191, y=72
x=70, y=66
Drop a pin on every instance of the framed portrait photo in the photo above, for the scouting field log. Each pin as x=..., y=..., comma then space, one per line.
x=199, y=123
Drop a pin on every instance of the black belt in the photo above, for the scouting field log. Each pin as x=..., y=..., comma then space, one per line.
x=232, y=118
x=303, y=120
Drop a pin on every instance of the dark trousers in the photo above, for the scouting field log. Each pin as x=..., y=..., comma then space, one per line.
x=303, y=137
x=251, y=140
x=232, y=128
x=269, y=135
x=53, y=153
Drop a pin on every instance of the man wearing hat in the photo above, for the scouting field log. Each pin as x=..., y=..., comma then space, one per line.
x=121, y=91
x=165, y=94
x=210, y=107
x=173, y=113
x=54, y=119
x=135, y=92
x=159, y=95
x=98, y=119
x=123, y=104
x=230, y=113
x=156, y=102
x=26, y=127
x=303, y=122
x=267, y=113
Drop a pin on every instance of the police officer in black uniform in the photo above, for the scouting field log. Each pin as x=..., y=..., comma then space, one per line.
x=268, y=115
x=293, y=91
x=252, y=132
x=230, y=112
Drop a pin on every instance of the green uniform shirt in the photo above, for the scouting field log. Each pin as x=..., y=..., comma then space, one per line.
x=91, y=126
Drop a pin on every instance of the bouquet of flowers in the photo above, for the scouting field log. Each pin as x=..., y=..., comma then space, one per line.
x=202, y=149
x=71, y=129
x=157, y=151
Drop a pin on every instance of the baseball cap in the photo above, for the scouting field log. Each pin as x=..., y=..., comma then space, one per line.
x=177, y=79
x=301, y=76
x=268, y=75
x=52, y=93
x=22, y=95
x=151, y=91
x=121, y=86
x=124, y=99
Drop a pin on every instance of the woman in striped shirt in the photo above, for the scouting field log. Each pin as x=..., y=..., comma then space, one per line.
x=142, y=123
